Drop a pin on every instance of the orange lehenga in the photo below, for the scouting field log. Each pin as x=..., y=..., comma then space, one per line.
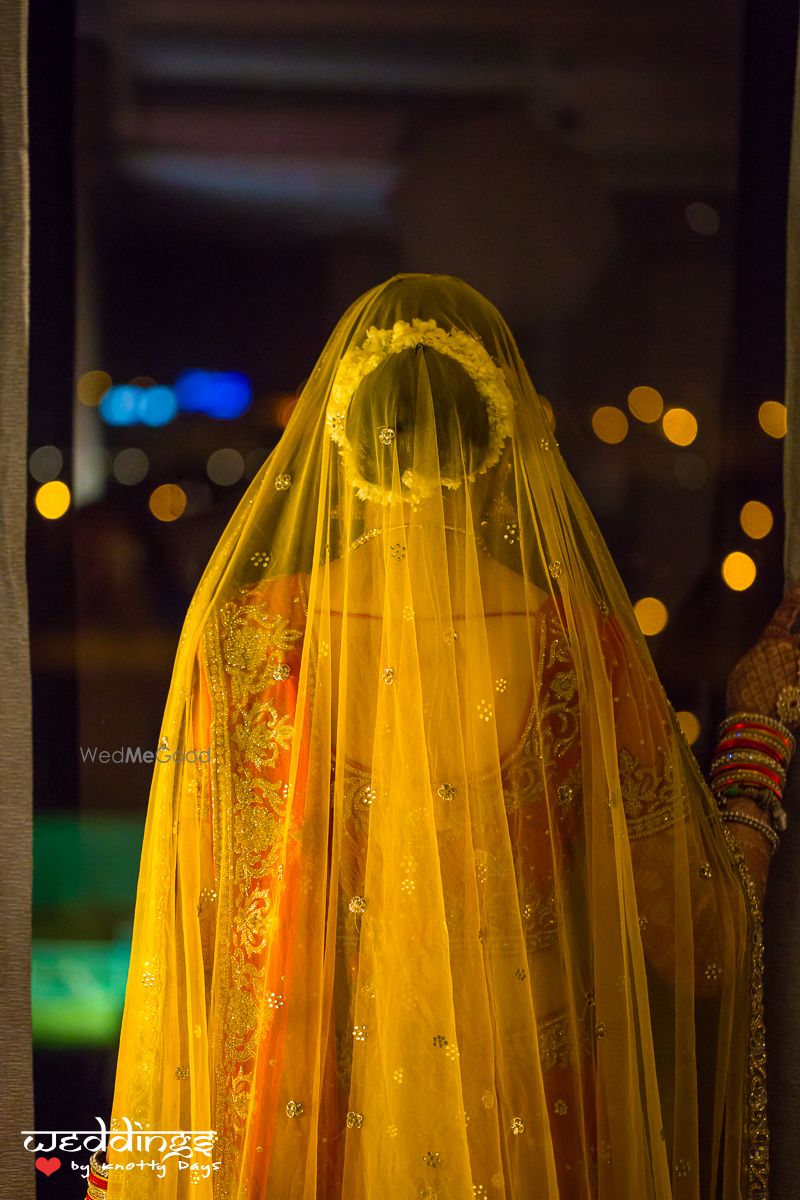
x=542, y=813
x=440, y=971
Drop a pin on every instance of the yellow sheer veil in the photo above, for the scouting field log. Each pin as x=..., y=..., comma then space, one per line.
x=433, y=899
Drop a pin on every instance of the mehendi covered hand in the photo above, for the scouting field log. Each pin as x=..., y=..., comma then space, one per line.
x=756, y=682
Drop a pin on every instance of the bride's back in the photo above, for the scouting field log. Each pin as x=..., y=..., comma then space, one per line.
x=509, y=605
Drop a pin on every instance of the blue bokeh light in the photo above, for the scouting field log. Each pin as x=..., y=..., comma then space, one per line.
x=119, y=405
x=191, y=389
x=157, y=405
x=223, y=395
x=220, y=394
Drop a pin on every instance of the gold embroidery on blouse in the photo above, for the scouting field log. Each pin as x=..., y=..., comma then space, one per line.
x=648, y=795
x=558, y=718
x=358, y=795
x=252, y=641
x=558, y=651
x=556, y=1043
x=523, y=780
x=568, y=792
x=539, y=916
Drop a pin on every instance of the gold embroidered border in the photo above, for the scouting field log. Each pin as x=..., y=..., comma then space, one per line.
x=755, y=1149
x=223, y=862
x=249, y=734
x=648, y=794
x=556, y=1044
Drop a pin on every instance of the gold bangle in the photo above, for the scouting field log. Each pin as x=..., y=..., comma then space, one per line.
x=748, y=718
x=742, y=775
x=769, y=743
x=731, y=758
x=766, y=800
x=97, y=1167
x=738, y=818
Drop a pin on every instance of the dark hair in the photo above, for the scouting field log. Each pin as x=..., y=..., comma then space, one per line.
x=389, y=396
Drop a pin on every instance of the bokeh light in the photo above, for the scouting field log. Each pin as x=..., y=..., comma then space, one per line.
x=46, y=463
x=651, y=614
x=702, y=218
x=168, y=502
x=220, y=394
x=738, y=571
x=120, y=405
x=756, y=519
x=52, y=499
x=689, y=724
x=157, y=405
x=131, y=466
x=645, y=403
x=133, y=403
x=610, y=424
x=225, y=467
x=680, y=426
x=92, y=386
x=691, y=471
x=772, y=418
x=283, y=408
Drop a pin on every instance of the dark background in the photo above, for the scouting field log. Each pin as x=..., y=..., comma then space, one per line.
x=212, y=183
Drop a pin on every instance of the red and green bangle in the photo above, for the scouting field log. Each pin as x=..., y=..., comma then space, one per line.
x=744, y=724
x=751, y=761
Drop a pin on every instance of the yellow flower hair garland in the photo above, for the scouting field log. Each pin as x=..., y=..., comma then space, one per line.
x=359, y=361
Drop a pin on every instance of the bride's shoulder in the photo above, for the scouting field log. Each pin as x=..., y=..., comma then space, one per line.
x=508, y=589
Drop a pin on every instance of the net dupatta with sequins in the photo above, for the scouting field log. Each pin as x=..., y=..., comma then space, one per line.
x=433, y=898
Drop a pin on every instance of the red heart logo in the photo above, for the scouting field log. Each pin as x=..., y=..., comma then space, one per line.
x=47, y=1165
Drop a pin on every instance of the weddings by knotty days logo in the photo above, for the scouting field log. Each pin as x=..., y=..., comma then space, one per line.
x=175, y=1148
